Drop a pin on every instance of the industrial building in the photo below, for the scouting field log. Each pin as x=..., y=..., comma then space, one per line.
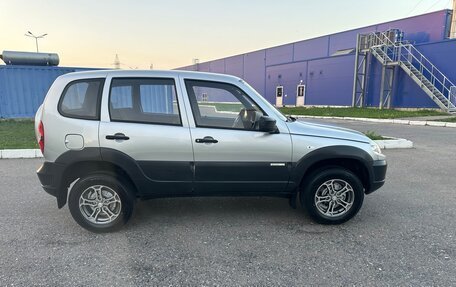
x=407, y=63
x=325, y=66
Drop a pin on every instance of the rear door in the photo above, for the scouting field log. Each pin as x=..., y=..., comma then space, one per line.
x=143, y=119
x=231, y=155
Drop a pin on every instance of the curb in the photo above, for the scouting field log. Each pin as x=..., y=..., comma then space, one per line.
x=20, y=153
x=394, y=143
x=388, y=121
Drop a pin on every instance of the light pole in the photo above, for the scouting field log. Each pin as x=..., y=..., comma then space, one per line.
x=30, y=34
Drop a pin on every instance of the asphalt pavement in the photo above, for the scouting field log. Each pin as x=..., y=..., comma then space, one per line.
x=405, y=233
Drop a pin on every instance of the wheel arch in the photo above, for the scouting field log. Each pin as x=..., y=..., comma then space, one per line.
x=94, y=160
x=351, y=158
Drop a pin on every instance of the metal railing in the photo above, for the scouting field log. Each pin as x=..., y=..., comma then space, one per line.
x=453, y=95
x=388, y=51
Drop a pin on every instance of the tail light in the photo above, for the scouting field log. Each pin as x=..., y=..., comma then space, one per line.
x=41, y=136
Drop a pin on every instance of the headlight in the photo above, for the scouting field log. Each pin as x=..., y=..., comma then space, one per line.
x=376, y=148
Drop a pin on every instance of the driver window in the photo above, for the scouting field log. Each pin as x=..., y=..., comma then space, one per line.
x=221, y=105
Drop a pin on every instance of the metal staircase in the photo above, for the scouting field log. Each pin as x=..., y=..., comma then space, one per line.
x=388, y=48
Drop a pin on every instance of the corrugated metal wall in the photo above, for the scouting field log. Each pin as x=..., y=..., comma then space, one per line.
x=329, y=79
x=23, y=88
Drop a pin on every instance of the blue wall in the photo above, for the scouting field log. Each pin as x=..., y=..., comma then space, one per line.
x=329, y=79
x=406, y=93
x=23, y=88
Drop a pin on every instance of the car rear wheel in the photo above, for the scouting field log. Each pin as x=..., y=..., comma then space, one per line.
x=101, y=203
x=332, y=196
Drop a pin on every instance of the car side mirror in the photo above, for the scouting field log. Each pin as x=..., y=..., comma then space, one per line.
x=268, y=125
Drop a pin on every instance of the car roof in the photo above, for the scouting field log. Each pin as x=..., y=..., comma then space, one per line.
x=148, y=73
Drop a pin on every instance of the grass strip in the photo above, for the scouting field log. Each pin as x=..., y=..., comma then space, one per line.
x=359, y=112
x=17, y=134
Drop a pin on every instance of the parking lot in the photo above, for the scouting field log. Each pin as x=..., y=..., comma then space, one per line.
x=405, y=234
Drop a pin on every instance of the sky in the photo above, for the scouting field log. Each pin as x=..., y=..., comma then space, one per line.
x=170, y=34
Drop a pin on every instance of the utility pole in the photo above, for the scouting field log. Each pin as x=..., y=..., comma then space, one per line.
x=453, y=22
x=31, y=35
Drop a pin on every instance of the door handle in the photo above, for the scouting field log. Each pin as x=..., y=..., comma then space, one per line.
x=206, y=140
x=117, y=136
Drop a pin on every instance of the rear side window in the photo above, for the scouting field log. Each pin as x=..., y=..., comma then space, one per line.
x=81, y=99
x=144, y=100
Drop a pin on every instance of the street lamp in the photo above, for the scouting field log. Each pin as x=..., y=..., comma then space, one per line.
x=30, y=34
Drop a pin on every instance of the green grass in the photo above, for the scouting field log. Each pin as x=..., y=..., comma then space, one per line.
x=374, y=136
x=224, y=107
x=360, y=112
x=449, y=120
x=17, y=134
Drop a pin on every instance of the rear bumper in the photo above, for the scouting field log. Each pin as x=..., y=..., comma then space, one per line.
x=378, y=175
x=50, y=176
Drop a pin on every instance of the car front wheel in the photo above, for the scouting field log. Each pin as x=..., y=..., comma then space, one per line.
x=332, y=196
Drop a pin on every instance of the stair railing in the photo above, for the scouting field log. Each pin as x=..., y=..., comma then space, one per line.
x=407, y=53
x=453, y=96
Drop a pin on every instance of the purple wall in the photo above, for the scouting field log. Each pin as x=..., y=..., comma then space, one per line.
x=279, y=55
x=347, y=40
x=217, y=66
x=312, y=49
x=288, y=75
x=429, y=27
x=254, y=70
x=329, y=80
x=204, y=67
x=235, y=66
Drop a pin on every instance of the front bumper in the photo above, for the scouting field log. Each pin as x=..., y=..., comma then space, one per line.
x=50, y=176
x=378, y=174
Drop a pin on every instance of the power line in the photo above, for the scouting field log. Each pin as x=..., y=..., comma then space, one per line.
x=416, y=6
x=433, y=5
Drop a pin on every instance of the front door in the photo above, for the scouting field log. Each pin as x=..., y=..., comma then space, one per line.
x=146, y=124
x=231, y=154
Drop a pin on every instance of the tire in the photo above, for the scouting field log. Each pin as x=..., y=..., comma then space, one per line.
x=101, y=203
x=332, y=196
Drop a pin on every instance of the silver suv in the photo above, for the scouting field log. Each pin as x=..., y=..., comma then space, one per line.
x=112, y=137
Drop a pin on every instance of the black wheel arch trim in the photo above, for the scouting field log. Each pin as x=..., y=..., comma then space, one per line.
x=67, y=161
x=301, y=168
